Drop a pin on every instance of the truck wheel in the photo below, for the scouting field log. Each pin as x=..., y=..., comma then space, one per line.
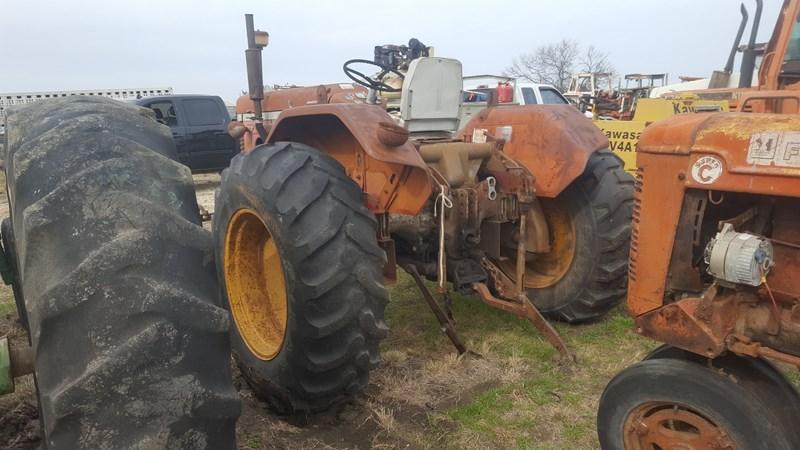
x=131, y=350
x=302, y=272
x=585, y=273
x=671, y=403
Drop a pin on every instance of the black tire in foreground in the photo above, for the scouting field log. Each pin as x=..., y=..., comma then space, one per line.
x=131, y=348
x=586, y=273
x=757, y=375
x=302, y=270
x=674, y=403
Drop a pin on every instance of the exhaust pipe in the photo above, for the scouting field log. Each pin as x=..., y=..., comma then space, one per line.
x=721, y=79
x=256, y=41
x=729, y=65
x=749, y=53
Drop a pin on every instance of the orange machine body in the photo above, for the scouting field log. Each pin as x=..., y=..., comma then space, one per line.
x=285, y=98
x=694, y=173
x=393, y=178
x=278, y=100
x=553, y=142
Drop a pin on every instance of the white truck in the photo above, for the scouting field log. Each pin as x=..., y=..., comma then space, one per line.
x=478, y=88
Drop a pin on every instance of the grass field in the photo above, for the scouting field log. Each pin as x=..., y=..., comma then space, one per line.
x=517, y=395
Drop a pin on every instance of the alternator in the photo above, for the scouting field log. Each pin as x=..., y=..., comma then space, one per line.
x=739, y=258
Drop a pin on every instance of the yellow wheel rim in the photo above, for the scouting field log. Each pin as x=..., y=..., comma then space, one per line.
x=255, y=284
x=546, y=269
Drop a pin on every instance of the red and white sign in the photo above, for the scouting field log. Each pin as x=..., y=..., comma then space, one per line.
x=707, y=169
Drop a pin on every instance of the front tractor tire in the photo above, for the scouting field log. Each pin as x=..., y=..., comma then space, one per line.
x=585, y=273
x=114, y=281
x=669, y=403
x=298, y=257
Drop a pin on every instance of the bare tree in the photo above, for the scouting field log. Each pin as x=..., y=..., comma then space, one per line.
x=555, y=63
x=551, y=64
x=594, y=60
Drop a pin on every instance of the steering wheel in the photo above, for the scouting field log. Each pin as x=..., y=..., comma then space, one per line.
x=372, y=83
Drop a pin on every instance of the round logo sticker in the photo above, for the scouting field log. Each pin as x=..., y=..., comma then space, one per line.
x=706, y=170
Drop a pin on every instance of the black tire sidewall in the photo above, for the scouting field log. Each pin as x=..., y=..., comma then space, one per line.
x=326, y=240
x=600, y=206
x=749, y=423
x=276, y=369
x=580, y=272
x=759, y=376
x=130, y=346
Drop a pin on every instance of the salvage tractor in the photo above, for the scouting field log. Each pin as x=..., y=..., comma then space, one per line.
x=715, y=259
x=525, y=206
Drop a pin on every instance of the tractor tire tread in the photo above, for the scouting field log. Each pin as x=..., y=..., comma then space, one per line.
x=97, y=205
x=328, y=235
x=609, y=190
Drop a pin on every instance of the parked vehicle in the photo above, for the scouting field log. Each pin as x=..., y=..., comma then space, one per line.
x=477, y=87
x=524, y=206
x=508, y=91
x=199, y=125
x=714, y=264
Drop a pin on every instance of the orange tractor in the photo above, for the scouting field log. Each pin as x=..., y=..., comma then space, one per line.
x=715, y=259
x=524, y=206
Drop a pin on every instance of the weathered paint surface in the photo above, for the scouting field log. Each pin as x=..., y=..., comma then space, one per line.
x=554, y=142
x=394, y=178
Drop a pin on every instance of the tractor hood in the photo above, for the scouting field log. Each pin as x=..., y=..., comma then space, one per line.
x=740, y=152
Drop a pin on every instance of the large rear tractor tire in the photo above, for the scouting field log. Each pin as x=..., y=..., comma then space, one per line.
x=585, y=273
x=298, y=256
x=131, y=349
x=672, y=403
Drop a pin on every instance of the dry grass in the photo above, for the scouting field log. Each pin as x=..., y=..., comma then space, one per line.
x=384, y=417
x=516, y=395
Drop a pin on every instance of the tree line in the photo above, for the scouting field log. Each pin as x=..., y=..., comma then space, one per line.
x=555, y=63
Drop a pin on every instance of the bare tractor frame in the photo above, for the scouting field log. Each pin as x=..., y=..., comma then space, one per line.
x=524, y=206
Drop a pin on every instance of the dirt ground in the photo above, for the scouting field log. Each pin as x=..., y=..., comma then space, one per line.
x=514, y=395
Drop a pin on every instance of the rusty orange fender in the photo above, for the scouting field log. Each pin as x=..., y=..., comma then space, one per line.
x=394, y=178
x=553, y=141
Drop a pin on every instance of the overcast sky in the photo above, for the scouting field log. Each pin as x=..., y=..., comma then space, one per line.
x=198, y=46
